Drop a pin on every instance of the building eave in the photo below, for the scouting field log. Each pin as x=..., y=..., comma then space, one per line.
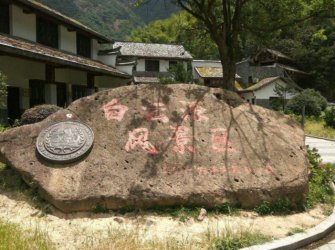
x=21, y=48
x=39, y=7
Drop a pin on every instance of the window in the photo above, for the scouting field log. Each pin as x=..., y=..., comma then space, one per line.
x=47, y=32
x=4, y=18
x=83, y=45
x=78, y=91
x=36, y=92
x=152, y=65
x=61, y=95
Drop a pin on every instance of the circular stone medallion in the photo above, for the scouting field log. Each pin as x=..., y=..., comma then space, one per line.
x=65, y=141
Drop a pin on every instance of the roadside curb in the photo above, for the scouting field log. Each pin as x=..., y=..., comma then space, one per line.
x=317, y=137
x=301, y=239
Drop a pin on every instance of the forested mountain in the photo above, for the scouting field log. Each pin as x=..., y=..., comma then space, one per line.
x=113, y=18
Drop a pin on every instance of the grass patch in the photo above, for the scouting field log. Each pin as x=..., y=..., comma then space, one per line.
x=316, y=126
x=295, y=230
x=13, y=238
x=230, y=238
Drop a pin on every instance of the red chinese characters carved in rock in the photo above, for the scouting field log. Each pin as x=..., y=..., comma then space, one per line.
x=193, y=111
x=182, y=138
x=220, y=141
x=113, y=110
x=139, y=138
x=155, y=112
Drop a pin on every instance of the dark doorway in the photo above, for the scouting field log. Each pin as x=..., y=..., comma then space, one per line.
x=13, y=104
x=36, y=92
x=61, y=95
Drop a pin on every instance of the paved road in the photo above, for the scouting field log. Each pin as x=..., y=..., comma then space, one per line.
x=325, y=148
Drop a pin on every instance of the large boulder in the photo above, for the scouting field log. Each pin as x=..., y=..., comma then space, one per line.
x=165, y=145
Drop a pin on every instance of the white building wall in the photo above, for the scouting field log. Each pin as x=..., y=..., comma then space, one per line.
x=67, y=40
x=108, y=59
x=23, y=25
x=163, y=65
x=19, y=72
x=126, y=68
x=140, y=65
x=95, y=49
x=268, y=91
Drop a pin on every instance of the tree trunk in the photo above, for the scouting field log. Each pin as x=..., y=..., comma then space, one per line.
x=227, y=57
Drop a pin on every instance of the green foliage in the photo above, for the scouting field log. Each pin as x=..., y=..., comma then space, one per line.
x=282, y=92
x=234, y=241
x=329, y=117
x=180, y=28
x=179, y=74
x=321, y=176
x=3, y=90
x=313, y=101
x=99, y=208
x=13, y=238
x=282, y=206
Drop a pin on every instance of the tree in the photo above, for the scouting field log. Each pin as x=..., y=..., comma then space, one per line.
x=282, y=92
x=226, y=20
x=180, y=28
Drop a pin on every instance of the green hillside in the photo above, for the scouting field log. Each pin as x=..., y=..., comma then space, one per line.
x=113, y=18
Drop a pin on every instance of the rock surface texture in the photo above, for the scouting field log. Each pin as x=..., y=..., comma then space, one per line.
x=164, y=145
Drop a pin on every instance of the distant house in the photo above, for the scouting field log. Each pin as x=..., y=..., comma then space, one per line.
x=50, y=58
x=150, y=61
x=209, y=73
x=267, y=63
x=263, y=92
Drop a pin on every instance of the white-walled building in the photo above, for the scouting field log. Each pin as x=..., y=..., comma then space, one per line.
x=50, y=58
x=149, y=61
x=263, y=92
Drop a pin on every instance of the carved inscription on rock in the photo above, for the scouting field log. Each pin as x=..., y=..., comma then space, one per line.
x=65, y=141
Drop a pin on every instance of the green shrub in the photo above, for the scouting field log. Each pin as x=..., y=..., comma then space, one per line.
x=321, y=176
x=99, y=209
x=329, y=117
x=313, y=101
x=282, y=206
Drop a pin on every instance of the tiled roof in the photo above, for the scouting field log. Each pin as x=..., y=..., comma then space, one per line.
x=23, y=48
x=278, y=54
x=210, y=72
x=153, y=50
x=36, y=5
x=289, y=68
x=264, y=82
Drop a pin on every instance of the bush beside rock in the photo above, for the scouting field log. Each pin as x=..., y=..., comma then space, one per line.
x=38, y=113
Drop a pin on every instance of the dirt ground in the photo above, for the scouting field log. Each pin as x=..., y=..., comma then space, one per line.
x=73, y=231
